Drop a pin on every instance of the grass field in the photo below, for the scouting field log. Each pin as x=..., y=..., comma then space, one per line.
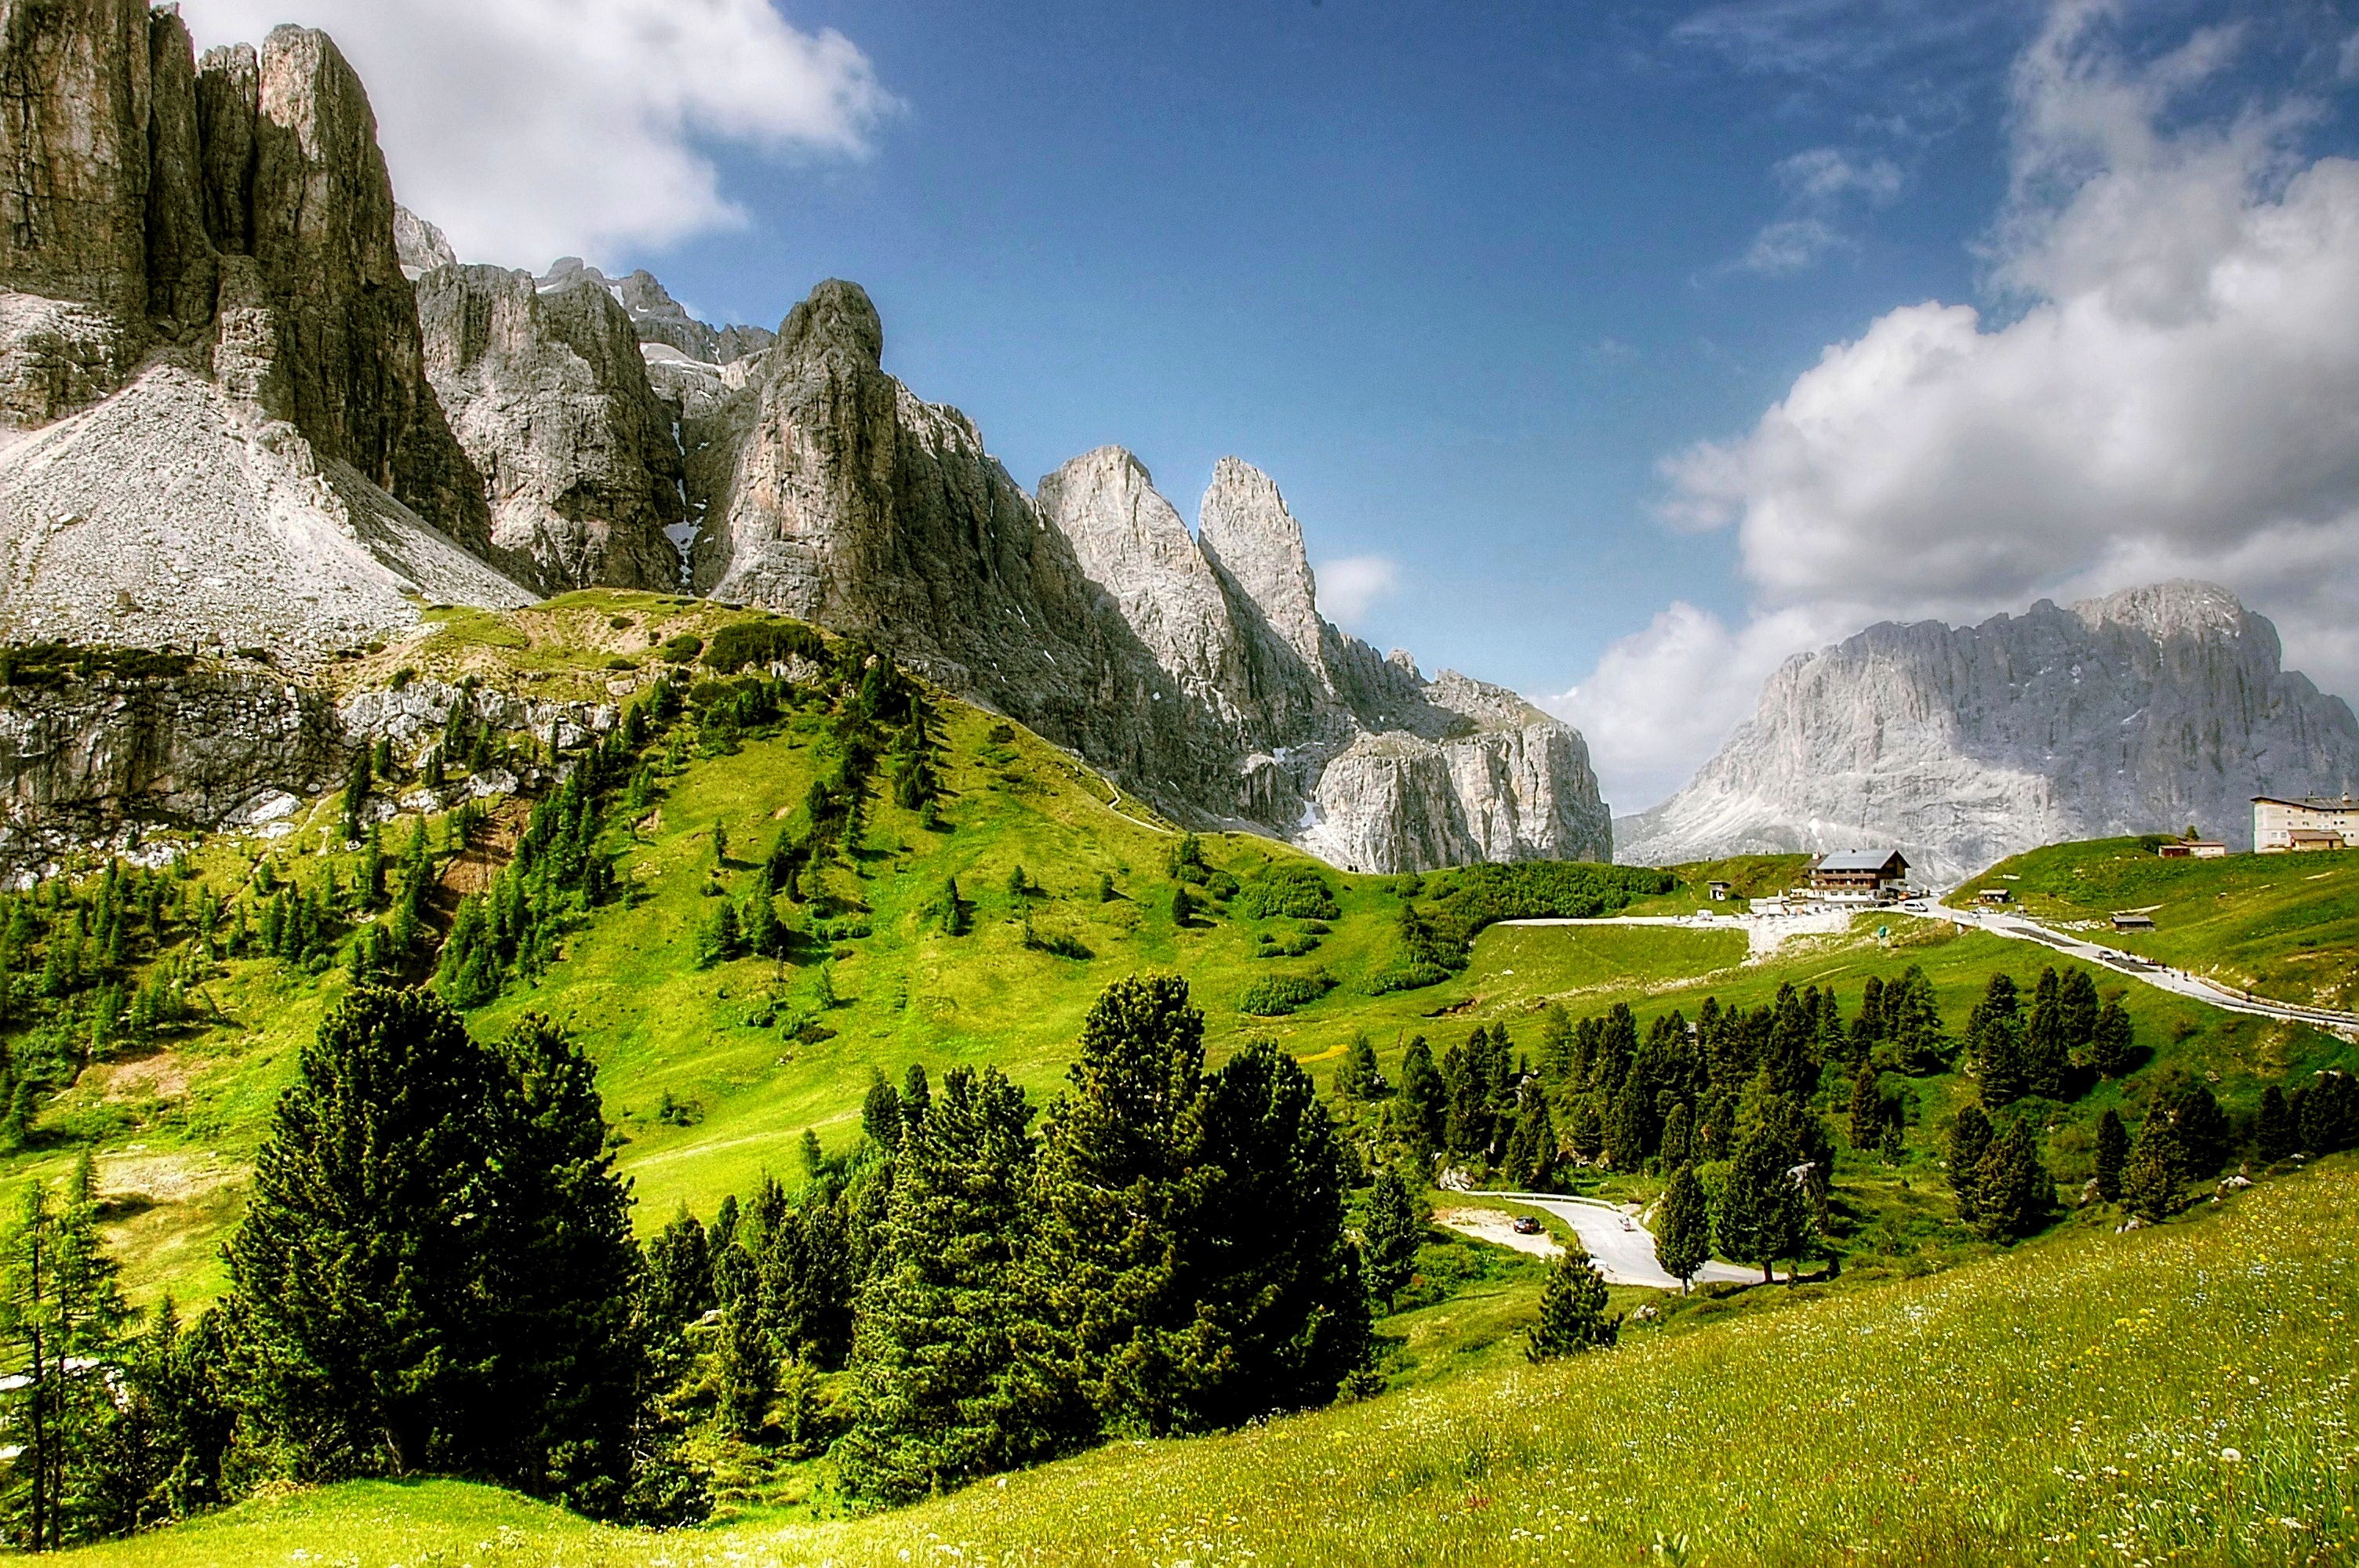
x=712, y=1074
x=2181, y=1394
x=2281, y=925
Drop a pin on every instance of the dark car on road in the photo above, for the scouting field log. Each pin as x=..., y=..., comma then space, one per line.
x=1527, y=1225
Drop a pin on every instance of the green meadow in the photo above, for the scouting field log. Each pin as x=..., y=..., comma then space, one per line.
x=2281, y=925
x=2183, y=1394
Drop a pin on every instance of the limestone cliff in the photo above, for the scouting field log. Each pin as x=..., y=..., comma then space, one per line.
x=2137, y=713
x=218, y=425
x=548, y=396
x=1352, y=756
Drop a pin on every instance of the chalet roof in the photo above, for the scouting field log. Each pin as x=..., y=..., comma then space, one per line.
x=1862, y=860
x=2317, y=802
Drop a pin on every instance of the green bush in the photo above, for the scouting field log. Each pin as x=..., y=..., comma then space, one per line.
x=680, y=649
x=1297, y=891
x=1281, y=994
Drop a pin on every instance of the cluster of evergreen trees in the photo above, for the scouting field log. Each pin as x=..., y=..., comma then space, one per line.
x=1164, y=1254
x=435, y=1273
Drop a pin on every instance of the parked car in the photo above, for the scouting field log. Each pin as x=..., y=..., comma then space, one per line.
x=1527, y=1225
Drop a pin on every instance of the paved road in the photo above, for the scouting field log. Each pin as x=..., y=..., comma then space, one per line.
x=1623, y=1248
x=2178, y=982
x=1763, y=933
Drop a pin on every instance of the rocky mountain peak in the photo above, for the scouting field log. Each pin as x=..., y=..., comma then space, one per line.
x=2180, y=607
x=836, y=321
x=1257, y=545
x=422, y=246
x=2137, y=713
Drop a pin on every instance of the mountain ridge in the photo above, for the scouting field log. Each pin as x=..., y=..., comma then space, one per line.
x=2135, y=712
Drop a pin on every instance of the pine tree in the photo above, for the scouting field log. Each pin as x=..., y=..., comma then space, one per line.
x=2155, y=1172
x=956, y=915
x=1969, y=1139
x=880, y=1113
x=1866, y=1109
x=2111, y=1040
x=2044, y=1055
x=356, y=793
x=2328, y=1113
x=1395, y=1229
x=1679, y=1136
x=1183, y=905
x=956, y=1377
x=1424, y=1104
x=368, y=1228
x=1764, y=1212
x=563, y=1276
x=1682, y=1227
x=2113, y=1149
x=917, y=1095
x=61, y=1321
x=2194, y=1114
x=1359, y=1078
x=2077, y=1001
x=1573, y=1315
x=2013, y=1191
x=1120, y=1182
x=763, y=935
x=1995, y=1036
x=718, y=939
x=1281, y=1307
x=2276, y=1136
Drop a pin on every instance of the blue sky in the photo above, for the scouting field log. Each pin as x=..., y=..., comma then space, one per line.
x=1644, y=344
x=1455, y=276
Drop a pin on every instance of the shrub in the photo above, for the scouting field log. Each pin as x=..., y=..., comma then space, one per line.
x=1297, y=891
x=680, y=649
x=1281, y=994
x=761, y=643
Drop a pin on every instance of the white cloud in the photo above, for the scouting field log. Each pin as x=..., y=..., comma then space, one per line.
x=1662, y=699
x=2177, y=393
x=1789, y=245
x=1829, y=173
x=1352, y=586
x=530, y=128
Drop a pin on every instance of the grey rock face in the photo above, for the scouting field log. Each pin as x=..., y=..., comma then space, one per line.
x=195, y=751
x=1351, y=756
x=657, y=318
x=422, y=246
x=2137, y=713
x=210, y=358
x=548, y=396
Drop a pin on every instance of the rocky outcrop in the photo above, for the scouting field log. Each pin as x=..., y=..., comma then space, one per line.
x=657, y=318
x=220, y=429
x=422, y=246
x=548, y=396
x=1352, y=756
x=2137, y=713
x=201, y=750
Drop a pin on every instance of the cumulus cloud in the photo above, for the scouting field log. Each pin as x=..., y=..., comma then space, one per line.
x=1663, y=698
x=1353, y=585
x=2174, y=392
x=531, y=128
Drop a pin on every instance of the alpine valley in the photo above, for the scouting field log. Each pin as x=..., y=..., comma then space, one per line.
x=615, y=947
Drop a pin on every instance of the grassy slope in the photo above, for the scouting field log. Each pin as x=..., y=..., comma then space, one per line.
x=2285, y=925
x=177, y=1127
x=2184, y=1392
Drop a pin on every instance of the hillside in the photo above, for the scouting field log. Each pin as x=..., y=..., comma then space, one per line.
x=2074, y=1401
x=2280, y=925
x=712, y=1074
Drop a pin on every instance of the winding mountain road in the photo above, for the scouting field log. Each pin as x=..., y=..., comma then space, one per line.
x=1623, y=1248
x=2145, y=971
